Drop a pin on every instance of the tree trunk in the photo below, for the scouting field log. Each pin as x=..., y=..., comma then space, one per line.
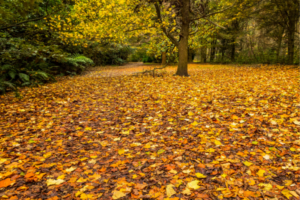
x=184, y=37
x=203, y=54
x=233, y=50
x=190, y=56
x=279, y=46
x=213, y=50
x=223, y=48
x=164, y=58
x=291, y=41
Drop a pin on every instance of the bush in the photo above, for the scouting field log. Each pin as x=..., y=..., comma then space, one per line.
x=24, y=64
x=110, y=54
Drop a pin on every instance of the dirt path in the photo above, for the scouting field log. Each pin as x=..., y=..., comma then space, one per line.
x=113, y=71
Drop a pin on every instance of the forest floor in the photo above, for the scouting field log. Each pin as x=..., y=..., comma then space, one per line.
x=223, y=133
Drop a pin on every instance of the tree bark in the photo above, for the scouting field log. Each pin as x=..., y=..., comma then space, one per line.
x=279, y=46
x=213, y=50
x=233, y=50
x=291, y=41
x=164, y=58
x=223, y=48
x=184, y=37
x=190, y=56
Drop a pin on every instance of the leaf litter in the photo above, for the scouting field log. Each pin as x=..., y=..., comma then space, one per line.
x=222, y=133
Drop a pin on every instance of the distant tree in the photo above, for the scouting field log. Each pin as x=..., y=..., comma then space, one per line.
x=279, y=16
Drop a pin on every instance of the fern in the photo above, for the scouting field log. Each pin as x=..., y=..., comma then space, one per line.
x=78, y=60
x=4, y=85
x=6, y=67
x=24, y=77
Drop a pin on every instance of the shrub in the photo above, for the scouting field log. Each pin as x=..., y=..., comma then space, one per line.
x=24, y=64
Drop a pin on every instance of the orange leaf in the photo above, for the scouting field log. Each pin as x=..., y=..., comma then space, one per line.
x=6, y=182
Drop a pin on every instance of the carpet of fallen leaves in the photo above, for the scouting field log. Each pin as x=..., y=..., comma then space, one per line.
x=222, y=133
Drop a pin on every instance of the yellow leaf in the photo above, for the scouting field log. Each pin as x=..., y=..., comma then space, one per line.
x=147, y=146
x=134, y=176
x=279, y=187
x=118, y=195
x=93, y=156
x=294, y=194
x=286, y=193
x=86, y=196
x=170, y=191
x=186, y=191
x=224, y=175
x=235, y=117
x=195, y=123
x=248, y=164
x=71, y=169
x=288, y=182
x=193, y=185
x=218, y=143
x=61, y=177
x=190, y=113
x=199, y=175
x=260, y=173
x=292, y=149
x=121, y=151
x=267, y=187
x=297, y=122
x=88, y=128
x=251, y=182
x=125, y=132
x=54, y=182
x=3, y=160
x=210, y=150
x=47, y=155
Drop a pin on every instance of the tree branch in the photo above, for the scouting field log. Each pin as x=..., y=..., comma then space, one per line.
x=173, y=40
x=215, y=24
x=214, y=13
x=27, y=21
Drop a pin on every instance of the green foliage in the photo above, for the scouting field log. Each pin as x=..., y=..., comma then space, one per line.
x=107, y=54
x=24, y=64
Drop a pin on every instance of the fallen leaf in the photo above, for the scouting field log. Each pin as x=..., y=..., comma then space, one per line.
x=261, y=172
x=121, y=151
x=286, y=193
x=186, y=191
x=6, y=182
x=54, y=182
x=218, y=143
x=199, y=175
x=193, y=185
x=118, y=194
x=71, y=169
x=248, y=164
x=170, y=190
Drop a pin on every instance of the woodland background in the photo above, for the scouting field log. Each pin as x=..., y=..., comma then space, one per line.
x=33, y=48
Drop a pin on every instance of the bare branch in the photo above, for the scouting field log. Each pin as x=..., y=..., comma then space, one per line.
x=214, y=13
x=215, y=23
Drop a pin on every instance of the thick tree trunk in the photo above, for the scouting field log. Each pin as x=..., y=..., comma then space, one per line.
x=184, y=37
x=164, y=58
